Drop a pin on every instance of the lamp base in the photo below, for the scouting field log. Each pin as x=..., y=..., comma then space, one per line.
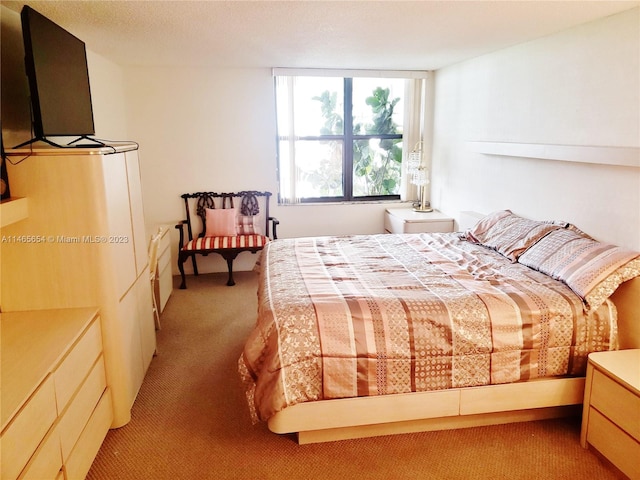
x=423, y=209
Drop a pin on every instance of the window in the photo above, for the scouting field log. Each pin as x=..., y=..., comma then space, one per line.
x=341, y=138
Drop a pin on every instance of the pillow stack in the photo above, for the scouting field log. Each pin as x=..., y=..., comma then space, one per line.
x=592, y=269
x=227, y=222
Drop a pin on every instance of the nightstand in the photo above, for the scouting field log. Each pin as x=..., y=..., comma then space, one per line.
x=611, y=410
x=405, y=220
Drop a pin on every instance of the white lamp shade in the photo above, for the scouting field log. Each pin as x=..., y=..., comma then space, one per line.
x=414, y=161
x=420, y=177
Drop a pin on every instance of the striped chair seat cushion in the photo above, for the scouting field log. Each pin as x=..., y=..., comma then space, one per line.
x=221, y=243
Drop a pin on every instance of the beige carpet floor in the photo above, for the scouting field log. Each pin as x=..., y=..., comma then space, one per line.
x=190, y=420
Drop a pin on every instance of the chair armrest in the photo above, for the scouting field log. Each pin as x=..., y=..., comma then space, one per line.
x=180, y=226
x=274, y=223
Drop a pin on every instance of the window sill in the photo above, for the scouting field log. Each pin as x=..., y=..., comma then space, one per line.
x=363, y=202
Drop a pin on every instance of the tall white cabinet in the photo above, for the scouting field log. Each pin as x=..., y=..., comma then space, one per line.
x=83, y=244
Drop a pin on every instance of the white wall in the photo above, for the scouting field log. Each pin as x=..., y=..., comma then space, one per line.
x=107, y=98
x=578, y=87
x=214, y=129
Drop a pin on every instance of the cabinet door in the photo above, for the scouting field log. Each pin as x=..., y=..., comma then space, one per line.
x=120, y=236
x=146, y=322
x=137, y=211
x=131, y=347
x=138, y=332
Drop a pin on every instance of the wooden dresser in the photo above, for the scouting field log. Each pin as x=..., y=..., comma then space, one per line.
x=56, y=406
x=611, y=414
x=83, y=243
x=164, y=281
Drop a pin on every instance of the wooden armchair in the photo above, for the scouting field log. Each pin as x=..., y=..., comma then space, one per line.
x=227, y=229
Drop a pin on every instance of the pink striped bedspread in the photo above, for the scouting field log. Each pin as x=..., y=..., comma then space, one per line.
x=384, y=314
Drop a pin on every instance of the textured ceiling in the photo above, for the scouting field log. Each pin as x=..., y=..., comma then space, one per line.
x=420, y=35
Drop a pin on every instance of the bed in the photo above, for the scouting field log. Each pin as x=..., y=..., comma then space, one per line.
x=369, y=335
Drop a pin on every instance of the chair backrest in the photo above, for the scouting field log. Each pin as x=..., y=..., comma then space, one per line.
x=252, y=209
x=153, y=255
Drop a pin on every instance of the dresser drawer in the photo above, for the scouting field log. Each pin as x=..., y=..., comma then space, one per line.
x=429, y=227
x=23, y=435
x=75, y=366
x=164, y=253
x=393, y=224
x=46, y=463
x=622, y=450
x=76, y=416
x=616, y=403
x=90, y=440
x=165, y=286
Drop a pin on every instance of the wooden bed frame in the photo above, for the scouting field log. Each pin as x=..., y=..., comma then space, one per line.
x=340, y=419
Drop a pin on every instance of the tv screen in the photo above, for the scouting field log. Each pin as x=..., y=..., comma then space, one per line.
x=56, y=65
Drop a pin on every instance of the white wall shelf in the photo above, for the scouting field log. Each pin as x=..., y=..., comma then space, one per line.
x=13, y=210
x=620, y=156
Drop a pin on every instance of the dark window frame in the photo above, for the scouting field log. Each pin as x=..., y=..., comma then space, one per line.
x=348, y=139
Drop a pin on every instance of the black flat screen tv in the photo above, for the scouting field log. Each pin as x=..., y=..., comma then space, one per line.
x=56, y=66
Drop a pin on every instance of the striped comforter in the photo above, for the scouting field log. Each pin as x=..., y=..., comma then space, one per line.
x=383, y=314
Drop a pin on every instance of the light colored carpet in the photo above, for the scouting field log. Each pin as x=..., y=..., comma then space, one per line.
x=190, y=420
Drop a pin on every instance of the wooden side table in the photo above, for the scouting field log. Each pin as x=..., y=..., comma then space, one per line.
x=405, y=220
x=611, y=411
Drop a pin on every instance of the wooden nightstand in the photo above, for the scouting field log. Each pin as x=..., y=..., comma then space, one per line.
x=611, y=411
x=405, y=220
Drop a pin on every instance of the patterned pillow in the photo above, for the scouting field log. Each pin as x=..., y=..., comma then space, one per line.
x=508, y=233
x=592, y=269
x=480, y=229
x=606, y=287
x=249, y=225
x=572, y=227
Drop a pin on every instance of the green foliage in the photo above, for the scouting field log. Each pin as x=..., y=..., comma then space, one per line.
x=376, y=170
x=379, y=174
x=383, y=112
x=327, y=179
x=333, y=123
